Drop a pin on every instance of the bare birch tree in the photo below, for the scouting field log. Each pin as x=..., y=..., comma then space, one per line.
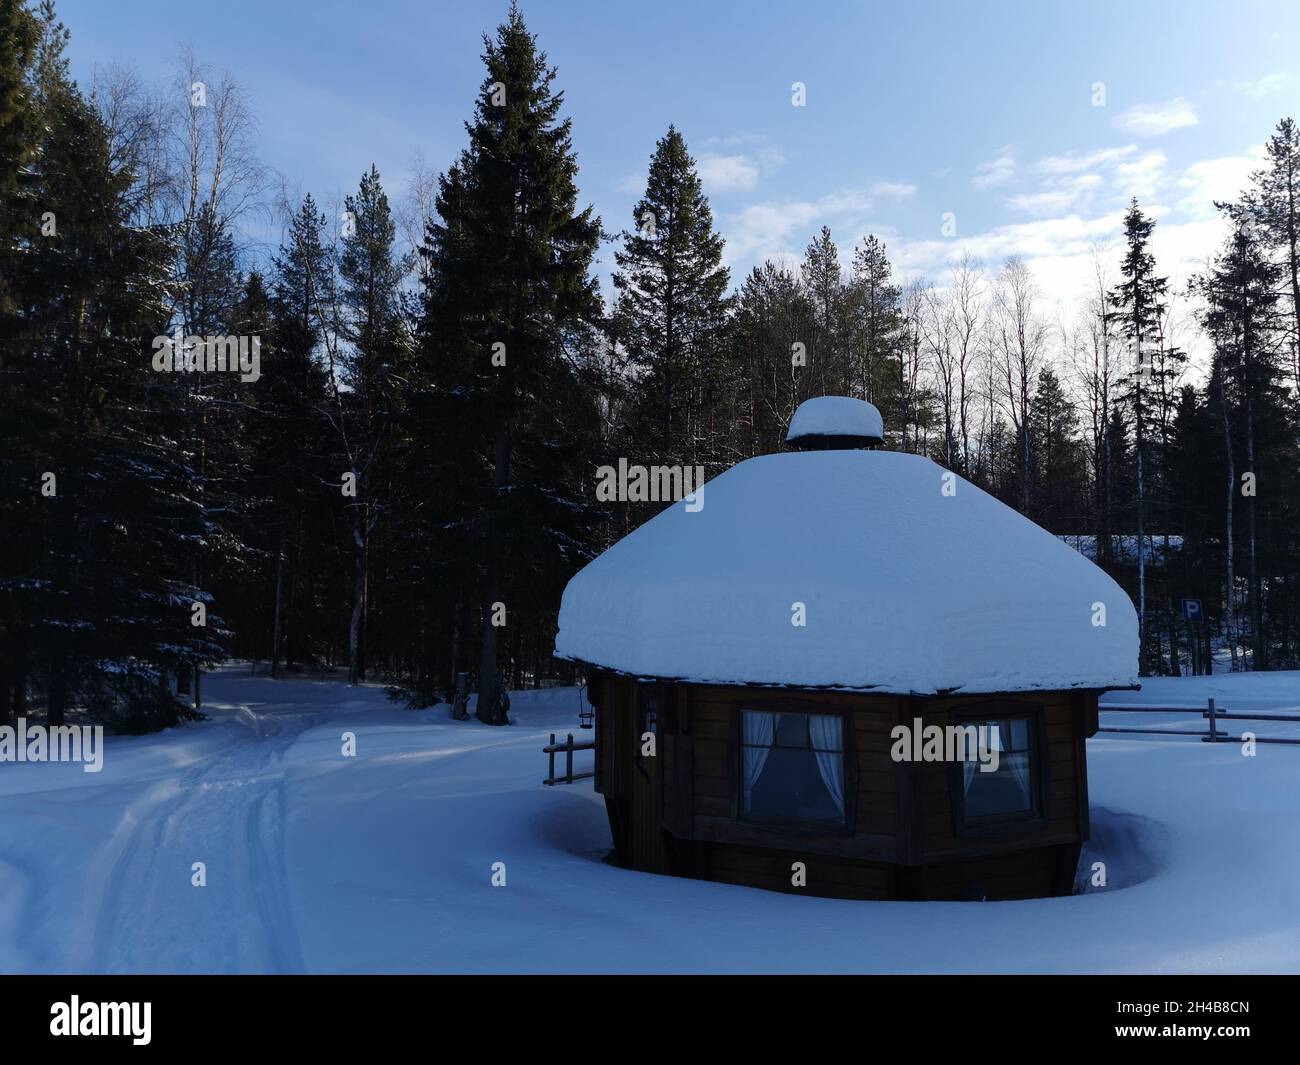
x=1020, y=336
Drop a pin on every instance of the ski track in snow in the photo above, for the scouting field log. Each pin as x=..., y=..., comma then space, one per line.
x=96, y=869
x=150, y=916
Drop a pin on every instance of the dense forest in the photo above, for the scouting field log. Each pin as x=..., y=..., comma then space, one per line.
x=376, y=449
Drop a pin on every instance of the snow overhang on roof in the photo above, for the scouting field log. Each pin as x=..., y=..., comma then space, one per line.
x=865, y=570
x=835, y=417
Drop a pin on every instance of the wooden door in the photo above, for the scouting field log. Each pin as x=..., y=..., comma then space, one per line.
x=644, y=777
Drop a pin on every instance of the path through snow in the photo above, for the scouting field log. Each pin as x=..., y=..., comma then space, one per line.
x=382, y=862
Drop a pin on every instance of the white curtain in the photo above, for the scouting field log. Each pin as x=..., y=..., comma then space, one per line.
x=972, y=753
x=826, y=731
x=758, y=730
x=1018, y=740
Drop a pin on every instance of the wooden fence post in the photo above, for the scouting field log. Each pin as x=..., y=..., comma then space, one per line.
x=1214, y=732
x=568, y=747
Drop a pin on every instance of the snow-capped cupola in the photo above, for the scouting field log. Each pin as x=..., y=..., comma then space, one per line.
x=835, y=423
x=867, y=570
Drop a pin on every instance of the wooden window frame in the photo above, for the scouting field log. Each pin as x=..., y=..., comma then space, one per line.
x=1020, y=823
x=794, y=826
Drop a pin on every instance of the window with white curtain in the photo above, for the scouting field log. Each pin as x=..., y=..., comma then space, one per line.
x=792, y=765
x=1008, y=790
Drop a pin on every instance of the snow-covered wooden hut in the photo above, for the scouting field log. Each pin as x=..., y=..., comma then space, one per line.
x=785, y=670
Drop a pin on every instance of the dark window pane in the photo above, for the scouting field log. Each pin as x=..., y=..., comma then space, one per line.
x=791, y=785
x=792, y=766
x=792, y=730
x=1009, y=788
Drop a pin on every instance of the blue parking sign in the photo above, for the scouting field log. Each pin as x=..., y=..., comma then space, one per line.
x=1192, y=610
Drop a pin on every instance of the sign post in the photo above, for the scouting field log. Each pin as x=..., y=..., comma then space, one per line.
x=1195, y=618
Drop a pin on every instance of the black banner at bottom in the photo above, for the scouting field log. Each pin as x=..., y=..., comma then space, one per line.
x=578, y=1015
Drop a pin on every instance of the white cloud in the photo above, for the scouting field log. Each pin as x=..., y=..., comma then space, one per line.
x=1079, y=182
x=1058, y=196
x=1221, y=179
x=1075, y=208
x=1153, y=120
x=736, y=163
x=1073, y=162
x=724, y=164
x=1260, y=87
x=1060, y=248
x=1061, y=254
x=897, y=190
x=779, y=230
x=728, y=173
x=1044, y=239
x=996, y=171
x=1143, y=178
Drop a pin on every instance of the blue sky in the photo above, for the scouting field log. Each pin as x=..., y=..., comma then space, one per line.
x=984, y=110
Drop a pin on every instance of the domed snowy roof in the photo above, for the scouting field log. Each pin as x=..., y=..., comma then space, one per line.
x=835, y=416
x=909, y=580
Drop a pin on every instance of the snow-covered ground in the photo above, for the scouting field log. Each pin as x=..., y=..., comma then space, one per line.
x=383, y=861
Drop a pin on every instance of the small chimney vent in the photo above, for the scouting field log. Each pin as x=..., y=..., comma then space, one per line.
x=835, y=423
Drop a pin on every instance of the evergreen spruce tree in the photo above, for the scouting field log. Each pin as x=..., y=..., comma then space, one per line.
x=444, y=472
x=19, y=36
x=372, y=365
x=110, y=495
x=210, y=273
x=877, y=321
x=772, y=310
x=1137, y=309
x=508, y=304
x=823, y=281
x=1274, y=204
x=243, y=568
x=1058, y=457
x=215, y=401
x=289, y=472
x=672, y=311
x=1197, y=509
x=1242, y=318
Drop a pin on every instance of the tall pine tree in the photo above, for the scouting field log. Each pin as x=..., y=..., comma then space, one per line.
x=1242, y=318
x=877, y=321
x=1274, y=204
x=19, y=35
x=110, y=496
x=1137, y=309
x=823, y=282
x=372, y=365
x=672, y=310
x=289, y=470
x=509, y=302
